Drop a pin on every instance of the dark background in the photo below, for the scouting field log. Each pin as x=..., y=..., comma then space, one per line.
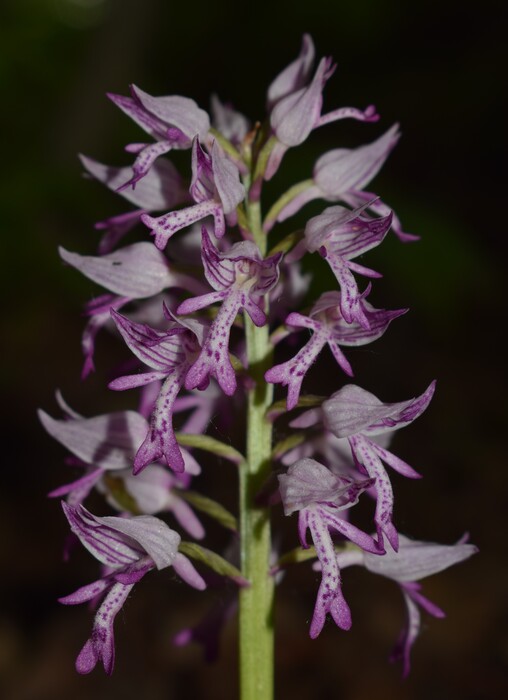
x=436, y=68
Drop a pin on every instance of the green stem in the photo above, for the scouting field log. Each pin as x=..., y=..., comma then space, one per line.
x=256, y=601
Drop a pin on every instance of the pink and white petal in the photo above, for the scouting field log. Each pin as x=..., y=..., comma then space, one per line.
x=379, y=207
x=257, y=315
x=160, y=350
x=350, y=532
x=214, y=357
x=161, y=188
x=402, y=649
x=340, y=358
x=164, y=227
x=413, y=590
x=292, y=372
x=329, y=598
x=144, y=161
x=383, y=487
x=400, y=414
x=227, y=180
x=296, y=320
x=307, y=419
x=133, y=109
x=274, y=160
x=158, y=540
x=108, y=441
x=189, y=306
x=341, y=170
x=368, y=114
x=350, y=297
x=105, y=543
x=133, y=381
x=294, y=76
x=160, y=440
x=219, y=269
x=136, y=271
x=69, y=412
x=187, y=518
x=86, y=593
x=352, y=334
x=267, y=273
x=353, y=410
x=295, y=115
x=78, y=490
x=178, y=111
x=416, y=560
x=101, y=645
x=395, y=462
x=365, y=271
x=308, y=482
x=202, y=185
x=187, y=572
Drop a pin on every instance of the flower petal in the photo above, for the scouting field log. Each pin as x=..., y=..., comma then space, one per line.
x=109, y=441
x=352, y=410
x=136, y=271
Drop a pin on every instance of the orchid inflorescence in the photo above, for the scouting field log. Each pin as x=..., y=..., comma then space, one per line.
x=177, y=306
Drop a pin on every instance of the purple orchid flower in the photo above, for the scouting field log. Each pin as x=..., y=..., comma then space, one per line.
x=319, y=496
x=341, y=175
x=105, y=446
x=240, y=278
x=138, y=271
x=340, y=235
x=130, y=548
x=170, y=354
x=105, y=443
x=216, y=189
x=415, y=560
x=172, y=120
x=328, y=327
x=358, y=415
x=160, y=189
x=297, y=106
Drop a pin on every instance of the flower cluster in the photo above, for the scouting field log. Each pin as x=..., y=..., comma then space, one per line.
x=197, y=306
